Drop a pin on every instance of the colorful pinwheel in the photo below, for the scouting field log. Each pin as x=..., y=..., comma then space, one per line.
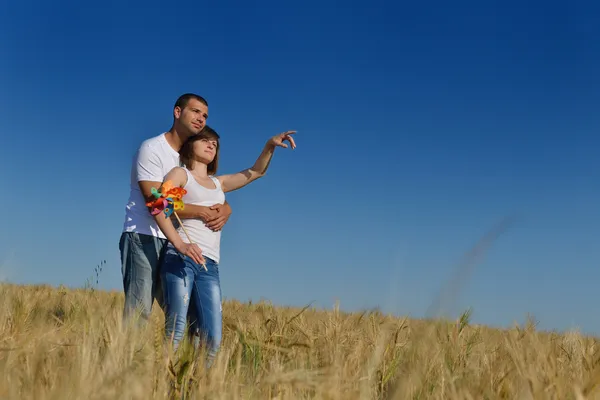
x=167, y=200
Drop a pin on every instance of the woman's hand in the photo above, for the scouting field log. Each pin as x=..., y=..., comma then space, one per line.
x=278, y=140
x=192, y=250
x=233, y=182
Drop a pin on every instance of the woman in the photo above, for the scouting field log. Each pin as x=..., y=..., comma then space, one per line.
x=183, y=273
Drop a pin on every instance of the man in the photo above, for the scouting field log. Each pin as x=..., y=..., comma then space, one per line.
x=142, y=241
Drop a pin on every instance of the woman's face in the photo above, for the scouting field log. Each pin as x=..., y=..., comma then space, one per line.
x=205, y=150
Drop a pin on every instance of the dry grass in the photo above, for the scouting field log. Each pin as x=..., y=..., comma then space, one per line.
x=69, y=344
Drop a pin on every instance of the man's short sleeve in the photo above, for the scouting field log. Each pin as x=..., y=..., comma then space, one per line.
x=148, y=166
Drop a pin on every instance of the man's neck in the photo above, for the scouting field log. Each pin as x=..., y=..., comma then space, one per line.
x=175, y=138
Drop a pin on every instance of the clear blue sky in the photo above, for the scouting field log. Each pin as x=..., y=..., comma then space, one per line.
x=419, y=127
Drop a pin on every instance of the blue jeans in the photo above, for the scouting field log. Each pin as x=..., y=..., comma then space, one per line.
x=141, y=257
x=140, y=261
x=184, y=281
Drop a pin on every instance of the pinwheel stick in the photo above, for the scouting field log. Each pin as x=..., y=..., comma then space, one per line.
x=187, y=234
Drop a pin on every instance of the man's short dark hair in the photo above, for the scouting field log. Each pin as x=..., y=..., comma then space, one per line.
x=183, y=100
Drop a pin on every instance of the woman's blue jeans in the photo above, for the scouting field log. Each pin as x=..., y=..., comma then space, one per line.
x=182, y=279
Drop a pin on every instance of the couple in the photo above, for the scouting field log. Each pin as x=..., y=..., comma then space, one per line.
x=158, y=260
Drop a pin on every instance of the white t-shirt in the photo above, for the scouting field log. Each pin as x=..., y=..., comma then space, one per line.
x=153, y=160
x=209, y=241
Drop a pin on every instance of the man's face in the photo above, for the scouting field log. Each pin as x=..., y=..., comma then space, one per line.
x=192, y=118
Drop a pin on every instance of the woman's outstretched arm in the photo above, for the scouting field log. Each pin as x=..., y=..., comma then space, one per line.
x=238, y=180
x=178, y=178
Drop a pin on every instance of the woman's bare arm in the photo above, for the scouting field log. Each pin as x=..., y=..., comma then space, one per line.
x=178, y=178
x=240, y=179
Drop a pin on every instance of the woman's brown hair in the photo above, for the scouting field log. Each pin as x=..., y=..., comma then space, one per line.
x=186, y=153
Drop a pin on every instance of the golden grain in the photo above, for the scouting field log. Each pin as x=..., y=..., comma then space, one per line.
x=61, y=343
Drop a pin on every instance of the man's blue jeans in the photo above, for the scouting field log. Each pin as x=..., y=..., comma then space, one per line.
x=140, y=262
x=183, y=281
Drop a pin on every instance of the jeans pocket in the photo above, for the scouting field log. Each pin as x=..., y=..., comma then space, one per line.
x=135, y=238
x=173, y=256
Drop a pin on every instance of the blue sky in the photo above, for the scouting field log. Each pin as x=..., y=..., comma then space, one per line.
x=419, y=128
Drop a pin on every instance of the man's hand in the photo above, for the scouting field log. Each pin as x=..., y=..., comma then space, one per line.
x=205, y=213
x=219, y=217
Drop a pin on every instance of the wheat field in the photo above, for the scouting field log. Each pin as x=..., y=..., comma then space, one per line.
x=59, y=343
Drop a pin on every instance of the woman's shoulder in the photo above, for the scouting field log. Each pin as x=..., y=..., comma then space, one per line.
x=179, y=174
x=179, y=171
x=216, y=180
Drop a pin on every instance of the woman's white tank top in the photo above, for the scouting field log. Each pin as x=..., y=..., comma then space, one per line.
x=208, y=240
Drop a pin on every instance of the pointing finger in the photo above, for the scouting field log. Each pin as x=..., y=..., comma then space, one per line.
x=292, y=142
